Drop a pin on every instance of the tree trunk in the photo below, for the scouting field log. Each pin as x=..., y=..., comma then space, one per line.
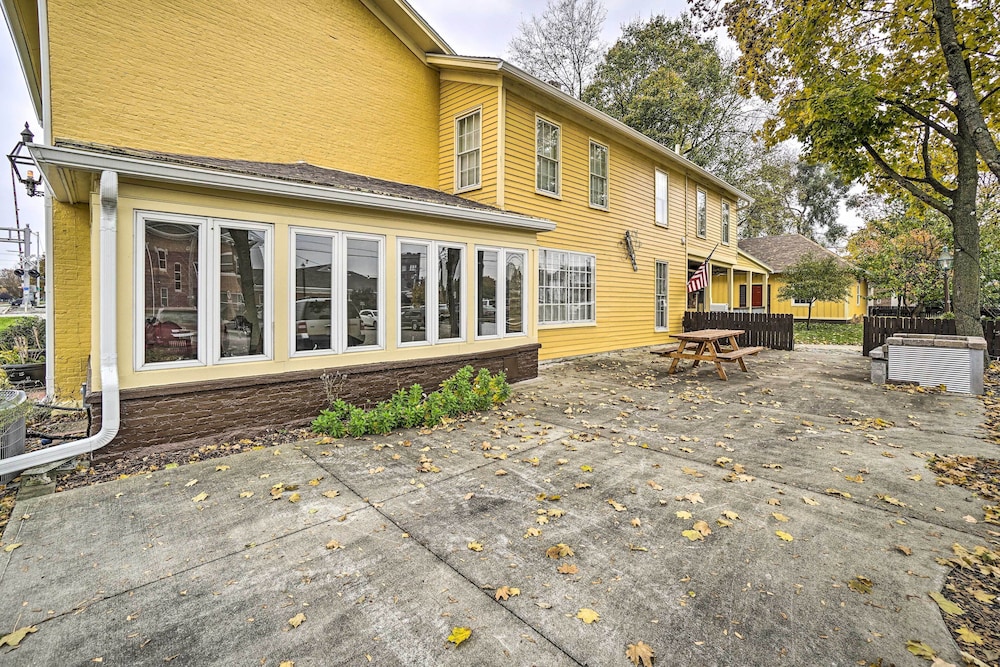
x=244, y=268
x=965, y=228
x=809, y=316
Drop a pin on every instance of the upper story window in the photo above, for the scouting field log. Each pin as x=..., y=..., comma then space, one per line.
x=547, y=138
x=598, y=175
x=662, y=185
x=468, y=145
x=725, y=222
x=161, y=259
x=565, y=287
x=178, y=283
x=702, y=213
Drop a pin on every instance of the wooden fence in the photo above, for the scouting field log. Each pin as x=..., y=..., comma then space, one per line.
x=877, y=329
x=771, y=331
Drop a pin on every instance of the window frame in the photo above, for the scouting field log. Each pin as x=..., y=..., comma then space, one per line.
x=606, y=177
x=338, y=291
x=802, y=304
x=214, y=289
x=661, y=298
x=539, y=119
x=591, y=269
x=431, y=300
x=701, y=213
x=665, y=221
x=161, y=259
x=725, y=215
x=478, y=111
x=501, y=292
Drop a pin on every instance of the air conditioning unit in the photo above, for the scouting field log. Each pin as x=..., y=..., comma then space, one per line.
x=955, y=362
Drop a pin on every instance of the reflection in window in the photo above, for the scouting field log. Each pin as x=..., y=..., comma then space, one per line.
x=565, y=287
x=515, y=293
x=171, y=323
x=449, y=293
x=702, y=213
x=546, y=156
x=313, y=291
x=362, y=290
x=486, y=289
x=241, y=271
x=412, y=292
x=662, y=296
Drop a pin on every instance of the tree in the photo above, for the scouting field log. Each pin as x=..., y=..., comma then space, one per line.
x=870, y=87
x=811, y=279
x=664, y=80
x=563, y=45
x=10, y=283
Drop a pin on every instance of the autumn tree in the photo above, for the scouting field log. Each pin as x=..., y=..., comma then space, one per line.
x=815, y=279
x=10, y=283
x=897, y=94
x=667, y=81
x=563, y=44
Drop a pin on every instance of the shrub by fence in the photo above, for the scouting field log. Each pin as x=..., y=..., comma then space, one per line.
x=772, y=331
x=877, y=329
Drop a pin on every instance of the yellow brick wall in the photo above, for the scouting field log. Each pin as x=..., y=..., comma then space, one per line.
x=457, y=99
x=71, y=306
x=324, y=81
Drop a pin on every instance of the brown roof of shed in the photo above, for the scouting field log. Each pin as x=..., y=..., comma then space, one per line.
x=781, y=252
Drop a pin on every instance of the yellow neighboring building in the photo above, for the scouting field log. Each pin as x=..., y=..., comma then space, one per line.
x=781, y=252
x=264, y=233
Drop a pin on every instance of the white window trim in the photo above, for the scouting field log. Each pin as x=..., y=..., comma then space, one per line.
x=803, y=304
x=700, y=230
x=726, y=218
x=665, y=222
x=214, y=288
x=479, y=170
x=338, y=296
x=666, y=297
x=558, y=160
x=858, y=301
x=431, y=305
x=593, y=283
x=607, y=176
x=501, y=295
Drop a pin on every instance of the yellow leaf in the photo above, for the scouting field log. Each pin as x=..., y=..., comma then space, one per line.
x=694, y=498
x=221, y=468
x=200, y=497
x=947, y=606
x=14, y=638
x=296, y=621
x=532, y=532
x=498, y=473
x=640, y=651
x=860, y=585
x=915, y=478
x=835, y=492
x=559, y=551
x=556, y=513
x=330, y=494
x=783, y=535
x=315, y=482
x=191, y=483
x=857, y=479
x=984, y=597
x=773, y=501
x=904, y=549
x=920, y=649
x=702, y=527
x=968, y=636
x=246, y=494
x=588, y=616
x=683, y=514
x=636, y=523
x=587, y=468
x=334, y=544
x=475, y=546
x=505, y=592
x=780, y=517
x=618, y=506
x=729, y=514
x=287, y=663
x=691, y=471
x=11, y=547
x=654, y=486
x=890, y=500
x=459, y=635
x=294, y=498
x=582, y=485
x=567, y=568
x=693, y=535
x=809, y=501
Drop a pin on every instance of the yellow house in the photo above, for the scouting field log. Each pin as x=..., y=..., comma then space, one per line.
x=251, y=207
x=781, y=252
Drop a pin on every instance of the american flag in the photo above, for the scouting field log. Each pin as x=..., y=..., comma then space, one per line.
x=700, y=277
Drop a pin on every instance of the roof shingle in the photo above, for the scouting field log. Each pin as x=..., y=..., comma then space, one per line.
x=781, y=252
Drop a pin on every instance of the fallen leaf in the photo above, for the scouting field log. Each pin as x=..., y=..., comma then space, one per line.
x=246, y=494
x=905, y=550
x=14, y=638
x=773, y=501
x=11, y=547
x=330, y=494
x=691, y=471
x=920, y=649
x=636, y=523
x=582, y=485
x=947, y=606
x=567, y=568
x=294, y=498
x=835, y=492
x=783, y=535
x=191, y=483
x=640, y=651
x=475, y=546
x=559, y=551
x=857, y=479
x=729, y=514
x=469, y=496
x=780, y=517
x=984, y=597
x=968, y=518
x=683, y=514
x=505, y=592
x=654, y=486
x=809, y=501
x=459, y=635
x=915, y=478
x=694, y=498
x=890, y=500
x=967, y=636
x=199, y=498
x=702, y=527
x=693, y=535
x=556, y=513
x=315, y=482
x=618, y=506
x=334, y=544
x=498, y=473
x=296, y=621
x=588, y=616
x=287, y=663
x=860, y=585
x=532, y=532
x=587, y=468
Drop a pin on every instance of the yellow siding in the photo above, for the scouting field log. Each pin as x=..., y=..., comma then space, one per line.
x=327, y=83
x=625, y=299
x=699, y=247
x=821, y=310
x=71, y=283
x=457, y=99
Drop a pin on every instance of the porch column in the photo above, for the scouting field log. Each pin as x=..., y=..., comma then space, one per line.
x=730, y=278
x=708, y=288
x=749, y=290
x=764, y=296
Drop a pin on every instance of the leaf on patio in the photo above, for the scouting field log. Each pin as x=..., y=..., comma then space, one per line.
x=532, y=532
x=199, y=498
x=904, y=549
x=14, y=638
x=773, y=501
x=506, y=592
x=890, y=500
x=835, y=492
x=582, y=485
x=947, y=606
x=294, y=498
x=459, y=635
x=567, y=568
x=559, y=551
x=693, y=535
x=683, y=514
x=702, y=527
x=618, y=506
x=500, y=473
x=297, y=620
x=920, y=649
x=729, y=514
x=861, y=585
x=640, y=651
x=191, y=483
x=691, y=471
x=556, y=513
x=809, y=501
x=783, y=535
x=693, y=498
x=857, y=479
x=722, y=461
x=334, y=544
x=636, y=522
x=315, y=482
x=587, y=468
x=654, y=486
x=780, y=517
x=983, y=596
x=475, y=546
x=330, y=494
x=588, y=616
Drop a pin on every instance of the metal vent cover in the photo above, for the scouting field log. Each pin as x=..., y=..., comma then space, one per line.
x=933, y=366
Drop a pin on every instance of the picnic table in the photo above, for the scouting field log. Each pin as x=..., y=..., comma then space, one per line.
x=714, y=345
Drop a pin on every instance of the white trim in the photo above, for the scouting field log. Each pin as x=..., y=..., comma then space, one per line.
x=23, y=52
x=54, y=159
x=593, y=288
x=43, y=48
x=606, y=176
x=664, y=298
x=334, y=239
x=666, y=197
x=463, y=290
x=699, y=230
x=380, y=297
x=500, y=298
x=726, y=218
x=215, y=289
x=432, y=286
x=479, y=150
x=430, y=270
x=558, y=159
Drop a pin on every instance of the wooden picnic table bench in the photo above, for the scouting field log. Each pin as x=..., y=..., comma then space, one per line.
x=714, y=345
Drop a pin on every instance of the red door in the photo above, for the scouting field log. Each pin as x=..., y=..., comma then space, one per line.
x=757, y=296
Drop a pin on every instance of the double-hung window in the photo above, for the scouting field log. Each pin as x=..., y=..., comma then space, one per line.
x=431, y=289
x=702, y=204
x=565, y=287
x=662, y=295
x=468, y=151
x=338, y=291
x=193, y=331
x=725, y=222
x=661, y=187
x=547, y=139
x=500, y=292
x=598, y=175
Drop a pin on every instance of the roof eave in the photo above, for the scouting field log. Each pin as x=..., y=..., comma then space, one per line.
x=59, y=166
x=22, y=35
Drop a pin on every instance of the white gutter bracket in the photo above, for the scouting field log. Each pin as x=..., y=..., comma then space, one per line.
x=110, y=405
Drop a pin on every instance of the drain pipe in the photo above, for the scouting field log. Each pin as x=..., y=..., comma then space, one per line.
x=110, y=409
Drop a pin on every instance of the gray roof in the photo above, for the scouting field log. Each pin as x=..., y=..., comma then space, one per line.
x=781, y=252
x=296, y=172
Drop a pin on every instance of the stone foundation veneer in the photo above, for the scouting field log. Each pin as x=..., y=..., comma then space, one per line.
x=177, y=413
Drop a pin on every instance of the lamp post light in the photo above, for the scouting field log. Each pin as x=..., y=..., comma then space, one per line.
x=944, y=262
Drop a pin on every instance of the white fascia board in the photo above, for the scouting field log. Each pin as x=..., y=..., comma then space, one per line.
x=740, y=251
x=504, y=67
x=77, y=159
x=16, y=29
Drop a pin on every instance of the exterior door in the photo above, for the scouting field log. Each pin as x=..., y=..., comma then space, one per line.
x=757, y=296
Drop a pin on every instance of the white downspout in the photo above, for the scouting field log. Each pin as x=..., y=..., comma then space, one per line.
x=110, y=412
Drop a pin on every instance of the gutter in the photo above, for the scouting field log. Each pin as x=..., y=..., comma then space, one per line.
x=110, y=408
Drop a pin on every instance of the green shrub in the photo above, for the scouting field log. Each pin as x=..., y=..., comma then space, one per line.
x=463, y=393
x=25, y=330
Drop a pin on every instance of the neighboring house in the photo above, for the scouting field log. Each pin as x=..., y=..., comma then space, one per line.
x=259, y=174
x=781, y=252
